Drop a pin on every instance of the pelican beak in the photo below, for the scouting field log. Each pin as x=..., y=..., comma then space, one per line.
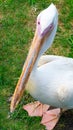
x=28, y=66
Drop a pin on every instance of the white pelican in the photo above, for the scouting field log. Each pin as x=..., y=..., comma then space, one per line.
x=50, y=82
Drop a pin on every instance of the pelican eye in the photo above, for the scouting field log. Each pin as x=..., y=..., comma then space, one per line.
x=39, y=22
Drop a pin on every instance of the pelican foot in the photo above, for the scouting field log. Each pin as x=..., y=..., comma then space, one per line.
x=36, y=108
x=50, y=118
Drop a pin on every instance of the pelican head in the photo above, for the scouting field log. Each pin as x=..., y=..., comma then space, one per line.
x=44, y=35
x=46, y=20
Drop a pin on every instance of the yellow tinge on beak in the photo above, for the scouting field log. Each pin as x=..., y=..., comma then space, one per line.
x=29, y=64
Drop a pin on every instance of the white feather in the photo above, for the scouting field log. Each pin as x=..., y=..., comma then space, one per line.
x=52, y=82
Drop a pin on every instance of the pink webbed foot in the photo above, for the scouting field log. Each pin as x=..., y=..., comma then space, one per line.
x=50, y=118
x=36, y=108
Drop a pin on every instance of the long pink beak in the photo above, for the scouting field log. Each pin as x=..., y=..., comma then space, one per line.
x=30, y=61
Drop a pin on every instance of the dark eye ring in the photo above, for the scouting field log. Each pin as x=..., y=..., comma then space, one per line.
x=38, y=22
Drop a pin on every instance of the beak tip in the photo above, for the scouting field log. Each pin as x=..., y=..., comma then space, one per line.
x=11, y=109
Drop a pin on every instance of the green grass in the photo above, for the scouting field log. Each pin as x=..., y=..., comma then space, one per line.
x=17, y=26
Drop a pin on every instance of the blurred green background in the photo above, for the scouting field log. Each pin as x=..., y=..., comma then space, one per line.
x=17, y=27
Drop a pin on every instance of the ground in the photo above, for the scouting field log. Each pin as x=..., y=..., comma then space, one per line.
x=17, y=27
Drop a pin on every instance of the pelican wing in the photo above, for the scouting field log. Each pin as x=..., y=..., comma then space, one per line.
x=47, y=58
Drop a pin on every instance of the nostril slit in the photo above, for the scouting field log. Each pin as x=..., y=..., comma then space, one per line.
x=51, y=25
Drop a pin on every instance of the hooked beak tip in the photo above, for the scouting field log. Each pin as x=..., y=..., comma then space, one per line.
x=12, y=109
x=14, y=102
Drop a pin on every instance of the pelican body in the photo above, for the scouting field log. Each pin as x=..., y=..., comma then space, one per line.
x=47, y=78
x=51, y=83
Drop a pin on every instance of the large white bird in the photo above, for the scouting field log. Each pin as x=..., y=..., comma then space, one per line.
x=49, y=79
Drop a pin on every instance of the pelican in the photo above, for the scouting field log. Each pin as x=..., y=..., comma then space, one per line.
x=48, y=78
